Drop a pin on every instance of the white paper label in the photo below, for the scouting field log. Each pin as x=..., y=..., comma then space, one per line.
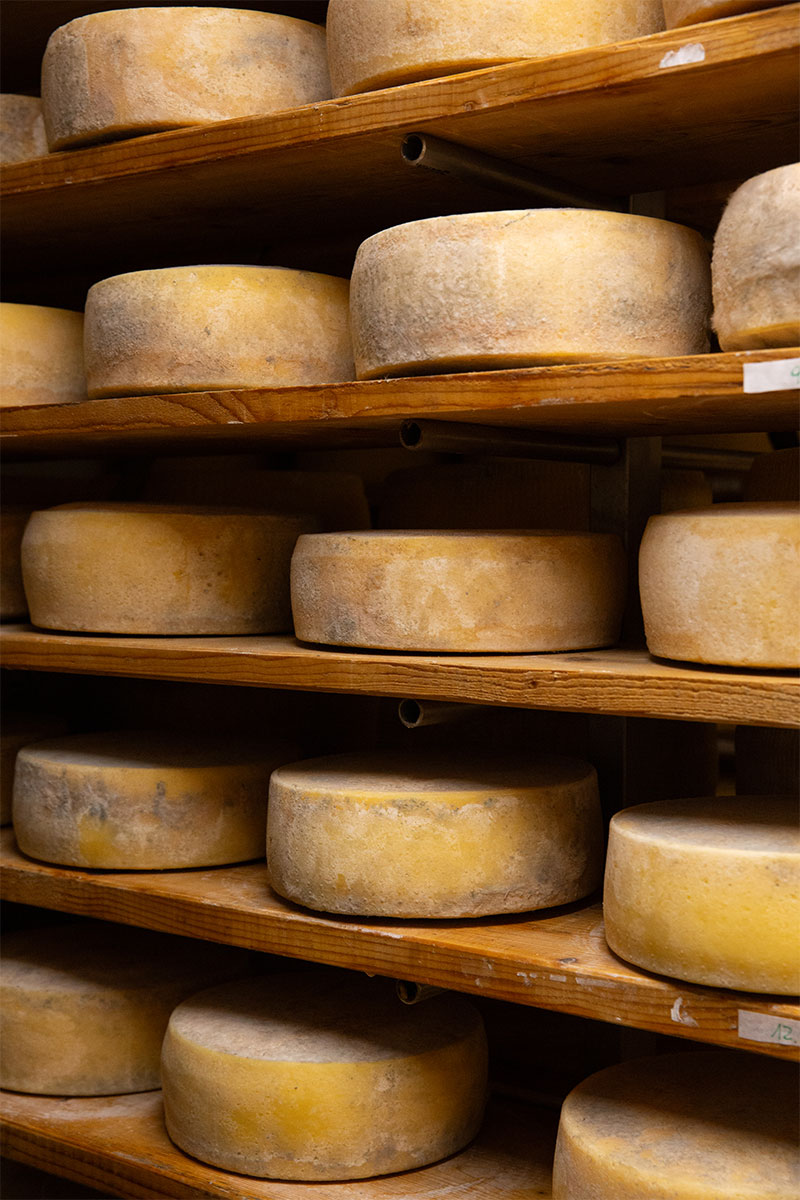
x=783, y=375
x=761, y=1027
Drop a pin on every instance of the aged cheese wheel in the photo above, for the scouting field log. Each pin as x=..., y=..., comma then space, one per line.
x=41, y=356
x=524, y=288
x=767, y=760
x=84, y=1007
x=710, y=1125
x=755, y=266
x=22, y=133
x=720, y=585
x=143, y=801
x=188, y=329
x=18, y=731
x=322, y=1075
x=446, y=836
x=690, y=12
x=708, y=890
x=377, y=43
x=461, y=591
x=121, y=73
x=13, y=604
x=159, y=568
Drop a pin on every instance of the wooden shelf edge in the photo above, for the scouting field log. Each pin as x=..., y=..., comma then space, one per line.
x=557, y=959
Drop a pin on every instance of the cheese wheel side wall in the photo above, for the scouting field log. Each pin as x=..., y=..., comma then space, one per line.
x=692, y=12
x=41, y=356
x=22, y=133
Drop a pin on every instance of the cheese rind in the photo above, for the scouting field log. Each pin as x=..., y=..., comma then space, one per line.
x=527, y=287
x=84, y=1008
x=372, y=835
x=143, y=801
x=691, y=12
x=184, y=329
x=720, y=585
x=379, y=43
x=458, y=591
x=22, y=133
x=318, y=1076
x=705, y=1126
x=755, y=264
x=18, y=731
x=708, y=891
x=41, y=356
x=159, y=569
x=126, y=72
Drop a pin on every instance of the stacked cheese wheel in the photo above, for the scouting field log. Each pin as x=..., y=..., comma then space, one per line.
x=41, y=356
x=20, y=730
x=22, y=133
x=690, y=12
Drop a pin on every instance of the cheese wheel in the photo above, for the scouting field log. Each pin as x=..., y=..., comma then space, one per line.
x=189, y=329
x=450, y=836
x=151, y=569
x=755, y=265
x=117, y=74
x=708, y=891
x=705, y=1126
x=41, y=356
x=774, y=476
x=525, y=288
x=767, y=760
x=143, y=801
x=13, y=604
x=720, y=585
x=84, y=1007
x=22, y=133
x=690, y=12
x=18, y=731
x=378, y=43
x=322, y=1075
x=516, y=591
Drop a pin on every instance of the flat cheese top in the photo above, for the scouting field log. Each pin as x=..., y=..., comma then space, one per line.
x=192, y=12
x=149, y=751
x=10, y=309
x=777, y=510
x=744, y=824
x=213, y=273
x=454, y=537
x=550, y=218
x=320, y=1016
x=144, y=509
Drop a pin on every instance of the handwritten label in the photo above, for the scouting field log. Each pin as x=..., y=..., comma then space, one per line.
x=783, y=375
x=761, y=1027
x=691, y=53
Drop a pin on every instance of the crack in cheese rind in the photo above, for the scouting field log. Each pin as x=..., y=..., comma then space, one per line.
x=692, y=12
x=41, y=356
x=374, y=835
x=755, y=266
x=380, y=43
x=456, y=591
x=197, y=328
x=159, y=569
x=22, y=133
x=126, y=72
x=143, y=801
x=720, y=584
x=705, y=1126
x=708, y=891
x=528, y=287
x=321, y=1075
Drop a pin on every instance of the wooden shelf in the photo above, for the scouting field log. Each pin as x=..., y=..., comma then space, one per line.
x=629, y=117
x=557, y=959
x=693, y=394
x=119, y=1144
x=619, y=682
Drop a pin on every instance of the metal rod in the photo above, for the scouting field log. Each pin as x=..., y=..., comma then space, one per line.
x=472, y=166
x=706, y=458
x=414, y=714
x=455, y=437
x=414, y=993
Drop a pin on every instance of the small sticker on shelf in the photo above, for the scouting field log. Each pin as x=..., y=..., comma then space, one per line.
x=693, y=52
x=781, y=375
x=761, y=1027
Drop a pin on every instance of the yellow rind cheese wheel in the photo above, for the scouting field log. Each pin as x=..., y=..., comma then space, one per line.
x=755, y=265
x=22, y=133
x=529, y=287
x=378, y=43
x=459, y=591
x=720, y=585
x=705, y=1126
x=143, y=801
x=708, y=891
x=41, y=356
x=84, y=1008
x=18, y=731
x=153, y=569
x=184, y=329
x=691, y=12
x=442, y=836
x=320, y=1076
x=125, y=72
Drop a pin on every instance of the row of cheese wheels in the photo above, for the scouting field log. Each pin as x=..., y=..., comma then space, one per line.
x=116, y=74
x=702, y=890
x=323, y=1075
x=461, y=293
x=718, y=584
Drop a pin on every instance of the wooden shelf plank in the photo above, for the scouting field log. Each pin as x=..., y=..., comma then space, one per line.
x=119, y=1144
x=692, y=394
x=619, y=682
x=557, y=959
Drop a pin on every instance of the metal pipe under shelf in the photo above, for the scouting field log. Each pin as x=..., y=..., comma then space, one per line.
x=455, y=437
